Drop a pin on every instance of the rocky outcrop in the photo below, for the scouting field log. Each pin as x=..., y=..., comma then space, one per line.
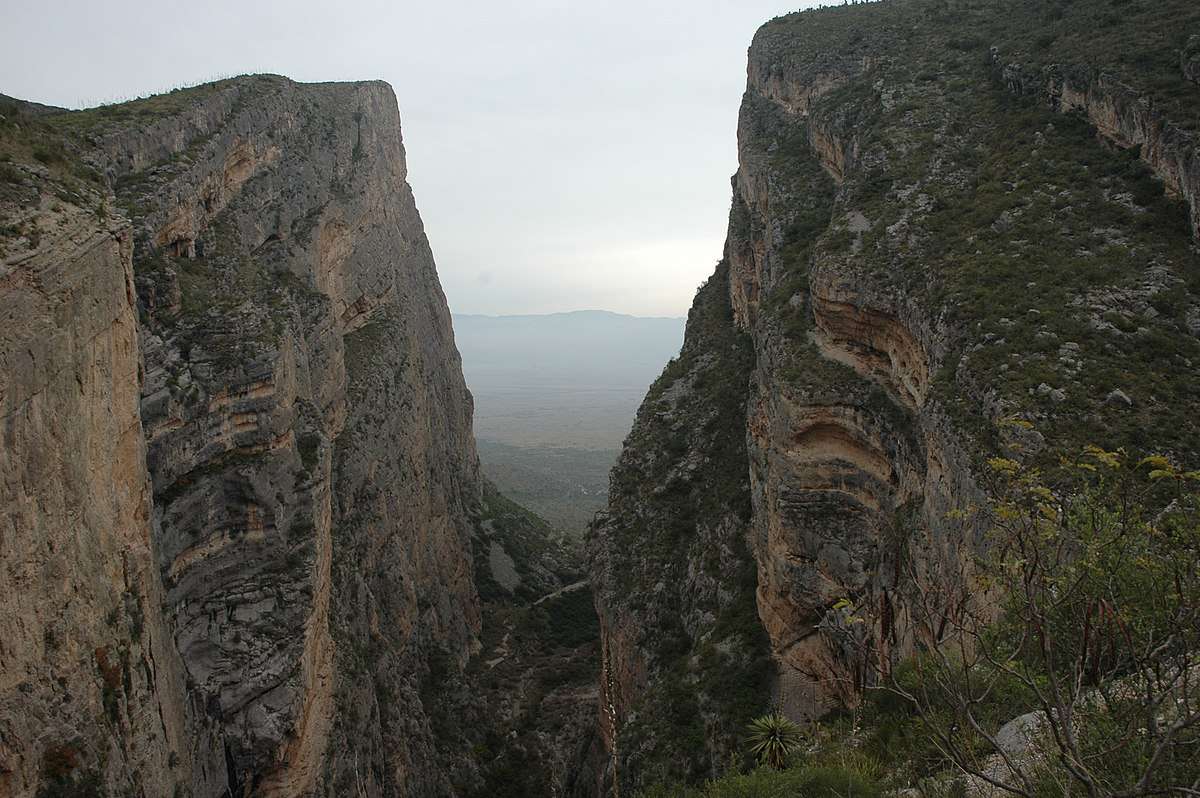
x=286, y=507
x=920, y=259
x=1123, y=115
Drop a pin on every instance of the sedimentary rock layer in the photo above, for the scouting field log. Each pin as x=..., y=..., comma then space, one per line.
x=936, y=243
x=237, y=416
x=92, y=689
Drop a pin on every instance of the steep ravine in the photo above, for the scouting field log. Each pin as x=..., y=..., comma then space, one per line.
x=933, y=229
x=244, y=545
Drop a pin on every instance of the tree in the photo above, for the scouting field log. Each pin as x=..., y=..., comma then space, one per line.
x=1085, y=608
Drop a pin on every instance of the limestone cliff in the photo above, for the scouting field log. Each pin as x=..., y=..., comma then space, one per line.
x=91, y=688
x=234, y=578
x=946, y=214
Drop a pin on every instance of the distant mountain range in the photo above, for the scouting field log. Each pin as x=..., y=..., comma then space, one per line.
x=584, y=348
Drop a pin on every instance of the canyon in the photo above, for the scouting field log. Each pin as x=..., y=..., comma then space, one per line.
x=247, y=547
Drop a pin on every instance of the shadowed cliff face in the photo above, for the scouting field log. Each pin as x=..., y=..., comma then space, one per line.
x=932, y=231
x=670, y=566
x=299, y=468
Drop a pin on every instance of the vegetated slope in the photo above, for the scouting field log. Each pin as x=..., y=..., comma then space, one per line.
x=683, y=660
x=238, y=580
x=519, y=720
x=946, y=214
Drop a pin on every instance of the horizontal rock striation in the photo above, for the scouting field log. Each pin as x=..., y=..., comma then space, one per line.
x=920, y=249
x=292, y=491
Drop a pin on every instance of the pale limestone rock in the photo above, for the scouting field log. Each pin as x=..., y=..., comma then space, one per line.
x=285, y=512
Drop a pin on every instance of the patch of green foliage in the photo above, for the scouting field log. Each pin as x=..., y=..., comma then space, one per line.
x=568, y=620
x=774, y=739
x=817, y=781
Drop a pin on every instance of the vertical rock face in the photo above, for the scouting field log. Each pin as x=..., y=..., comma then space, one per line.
x=308, y=429
x=91, y=688
x=923, y=244
x=297, y=475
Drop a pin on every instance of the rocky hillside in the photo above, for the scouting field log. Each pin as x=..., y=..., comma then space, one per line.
x=519, y=720
x=949, y=215
x=238, y=466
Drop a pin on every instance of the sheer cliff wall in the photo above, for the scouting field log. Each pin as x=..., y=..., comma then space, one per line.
x=947, y=217
x=238, y=457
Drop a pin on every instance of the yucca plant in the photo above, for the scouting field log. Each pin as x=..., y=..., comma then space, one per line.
x=774, y=739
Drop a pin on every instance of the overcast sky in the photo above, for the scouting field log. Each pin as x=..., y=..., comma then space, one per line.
x=564, y=155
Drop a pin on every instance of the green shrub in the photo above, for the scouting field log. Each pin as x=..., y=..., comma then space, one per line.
x=809, y=782
x=774, y=740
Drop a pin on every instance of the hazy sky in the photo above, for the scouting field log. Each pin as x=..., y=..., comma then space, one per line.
x=563, y=155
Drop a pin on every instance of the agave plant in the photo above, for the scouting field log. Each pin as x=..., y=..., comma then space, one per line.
x=774, y=739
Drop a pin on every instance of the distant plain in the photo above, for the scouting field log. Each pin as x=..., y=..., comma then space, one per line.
x=555, y=396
